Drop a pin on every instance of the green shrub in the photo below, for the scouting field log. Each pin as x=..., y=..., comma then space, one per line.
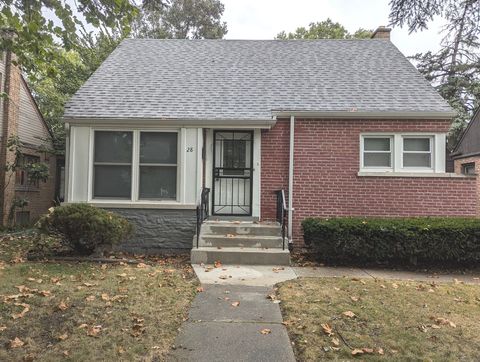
x=85, y=228
x=422, y=240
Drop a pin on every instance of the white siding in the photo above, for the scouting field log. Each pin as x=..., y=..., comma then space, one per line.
x=31, y=128
x=79, y=160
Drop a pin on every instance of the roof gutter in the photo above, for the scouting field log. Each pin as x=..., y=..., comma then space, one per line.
x=353, y=114
x=175, y=122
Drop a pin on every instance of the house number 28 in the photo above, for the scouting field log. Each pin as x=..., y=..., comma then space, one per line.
x=189, y=149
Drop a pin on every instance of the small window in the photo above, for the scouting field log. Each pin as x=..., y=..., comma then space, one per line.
x=377, y=152
x=417, y=152
x=158, y=166
x=112, y=164
x=22, y=178
x=468, y=168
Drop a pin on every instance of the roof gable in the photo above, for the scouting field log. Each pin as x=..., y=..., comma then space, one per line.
x=248, y=79
x=469, y=143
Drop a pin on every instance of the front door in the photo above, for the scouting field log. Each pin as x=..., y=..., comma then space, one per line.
x=232, y=172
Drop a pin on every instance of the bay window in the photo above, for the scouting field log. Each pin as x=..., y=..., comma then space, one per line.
x=135, y=165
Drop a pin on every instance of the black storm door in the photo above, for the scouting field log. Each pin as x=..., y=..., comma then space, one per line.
x=232, y=172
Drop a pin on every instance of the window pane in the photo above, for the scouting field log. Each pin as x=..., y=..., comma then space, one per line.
x=376, y=144
x=158, y=147
x=158, y=182
x=417, y=160
x=112, y=181
x=416, y=144
x=376, y=160
x=115, y=147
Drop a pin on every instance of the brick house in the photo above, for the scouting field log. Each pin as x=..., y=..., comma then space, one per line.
x=466, y=154
x=250, y=130
x=21, y=117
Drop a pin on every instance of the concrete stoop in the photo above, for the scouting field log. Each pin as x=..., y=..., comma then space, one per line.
x=240, y=243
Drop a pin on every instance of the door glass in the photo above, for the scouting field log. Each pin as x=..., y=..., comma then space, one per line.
x=234, y=157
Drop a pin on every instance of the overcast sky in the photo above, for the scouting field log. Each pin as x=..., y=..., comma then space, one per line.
x=263, y=19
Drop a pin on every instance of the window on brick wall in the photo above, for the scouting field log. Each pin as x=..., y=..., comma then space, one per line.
x=468, y=168
x=22, y=179
x=399, y=152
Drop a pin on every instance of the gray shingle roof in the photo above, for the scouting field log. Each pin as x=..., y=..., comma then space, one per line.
x=247, y=79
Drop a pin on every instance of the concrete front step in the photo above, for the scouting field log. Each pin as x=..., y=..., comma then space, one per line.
x=241, y=241
x=240, y=256
x=241, y=228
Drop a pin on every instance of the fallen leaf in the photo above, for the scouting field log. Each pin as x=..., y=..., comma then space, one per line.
x=394, y=286
x=336, y=342
x=217, y=264
x=367, y=350
x=45, y=293
x=276, y=270
x=62, y=306
x=89, y=285
x=90, y=298
x=223, y=277
x=94, y=331
x=327, y=329
x=63, y=337
x=200, y=289
x=266, y=331
x=2, y=328
x=83, y=325
x=16, y=343
x=230, y=236
x=380, y=351
x=235, y=304
x=26, y=308
x=105, y=297
x=142, y=265
x=349, y=314
x=357, y=351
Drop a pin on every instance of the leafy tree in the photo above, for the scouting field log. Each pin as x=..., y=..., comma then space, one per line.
x=181, y=19
x=455, y=69
x=325, y=30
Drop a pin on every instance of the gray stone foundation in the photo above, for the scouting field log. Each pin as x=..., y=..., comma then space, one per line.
x=158, y=230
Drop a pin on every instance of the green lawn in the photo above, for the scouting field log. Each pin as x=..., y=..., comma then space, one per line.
x=88, y=311
x=345, y=319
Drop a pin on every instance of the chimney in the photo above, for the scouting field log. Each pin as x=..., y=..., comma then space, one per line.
x=382, y=32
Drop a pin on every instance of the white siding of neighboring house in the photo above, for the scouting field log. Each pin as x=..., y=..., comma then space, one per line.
x=79, y=188
x=31, y=128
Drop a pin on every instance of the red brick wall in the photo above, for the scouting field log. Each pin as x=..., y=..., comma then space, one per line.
x=458, y=169
x=326, y=184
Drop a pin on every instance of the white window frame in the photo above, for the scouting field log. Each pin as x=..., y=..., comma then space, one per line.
x=363, y=151
x=135, y=167
x=437, y=147
x=431, y=139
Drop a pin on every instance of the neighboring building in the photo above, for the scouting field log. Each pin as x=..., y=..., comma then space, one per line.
x=466, y=154
x=20, y=116
x=345, y=127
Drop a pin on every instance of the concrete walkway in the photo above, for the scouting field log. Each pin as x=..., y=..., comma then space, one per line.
x=322, y=272
x=233, y=319
x=227, y=318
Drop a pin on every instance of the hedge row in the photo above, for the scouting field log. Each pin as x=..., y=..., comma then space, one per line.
x=407, y=240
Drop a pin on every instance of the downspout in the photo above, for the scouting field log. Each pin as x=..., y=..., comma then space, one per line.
x=290, y=180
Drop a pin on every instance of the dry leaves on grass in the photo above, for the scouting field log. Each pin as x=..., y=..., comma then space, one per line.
x=443, y=321
x=16, y=343
x=94, y=331
x=26, y=308
x=327, y=329
x=349, y=314
x=62, y=306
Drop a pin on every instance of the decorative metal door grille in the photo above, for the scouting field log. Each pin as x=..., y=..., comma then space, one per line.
x=232, y=173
